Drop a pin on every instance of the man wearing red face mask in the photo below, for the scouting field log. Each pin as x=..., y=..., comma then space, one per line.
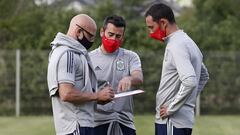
x=183, y=73
x=122, y=69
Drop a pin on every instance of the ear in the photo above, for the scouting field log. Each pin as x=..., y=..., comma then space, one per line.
x=79, y=33
x=101, y=32
x=163, y=23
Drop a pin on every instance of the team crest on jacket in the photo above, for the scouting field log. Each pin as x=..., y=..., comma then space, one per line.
x=120, y=65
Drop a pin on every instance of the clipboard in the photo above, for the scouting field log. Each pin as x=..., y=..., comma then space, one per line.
x=128, y=93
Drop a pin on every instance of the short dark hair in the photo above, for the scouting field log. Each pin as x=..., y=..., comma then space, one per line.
x=160, y=10
x=118, y=21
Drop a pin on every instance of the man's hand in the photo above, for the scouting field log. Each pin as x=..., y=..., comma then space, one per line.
x=125, y=83
x=163, y=112
x=105, y=95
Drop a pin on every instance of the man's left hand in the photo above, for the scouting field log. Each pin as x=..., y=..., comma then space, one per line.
x=163, y=112
x=125, y=83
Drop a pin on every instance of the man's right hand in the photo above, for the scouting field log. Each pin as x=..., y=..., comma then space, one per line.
x=105, y=95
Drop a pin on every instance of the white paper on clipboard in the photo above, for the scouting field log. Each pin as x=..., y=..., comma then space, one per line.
x=128, y=93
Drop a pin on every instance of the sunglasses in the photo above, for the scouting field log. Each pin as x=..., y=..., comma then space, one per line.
x=91, y=36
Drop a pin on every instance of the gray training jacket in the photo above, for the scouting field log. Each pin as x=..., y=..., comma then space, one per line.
x=183, y=77
x=69, y=63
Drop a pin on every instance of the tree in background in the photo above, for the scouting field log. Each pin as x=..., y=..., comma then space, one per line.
x=213, y=24
x=25, y=25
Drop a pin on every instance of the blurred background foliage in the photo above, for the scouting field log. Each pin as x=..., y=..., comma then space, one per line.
x=213, y=25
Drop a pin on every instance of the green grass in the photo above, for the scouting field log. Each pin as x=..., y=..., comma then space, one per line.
x=43, y=125
x=217, y=125
x=26, y=125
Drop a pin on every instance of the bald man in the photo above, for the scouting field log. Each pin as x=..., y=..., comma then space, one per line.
x=71, y=80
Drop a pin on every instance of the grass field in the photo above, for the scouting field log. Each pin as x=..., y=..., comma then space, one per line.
x=43, y=125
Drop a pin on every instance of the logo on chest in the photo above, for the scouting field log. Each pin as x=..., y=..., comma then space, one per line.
x=120, y=65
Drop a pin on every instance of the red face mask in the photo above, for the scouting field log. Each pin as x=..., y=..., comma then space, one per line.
x=110, y=45
x=158, y=34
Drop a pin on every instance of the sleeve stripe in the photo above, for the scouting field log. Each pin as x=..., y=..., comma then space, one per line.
x=69, y=62
x=72, y=63
x=69, y=68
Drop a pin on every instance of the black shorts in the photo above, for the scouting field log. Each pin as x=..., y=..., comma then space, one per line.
x=161, y=129
x=83, y=131
x=102, y=130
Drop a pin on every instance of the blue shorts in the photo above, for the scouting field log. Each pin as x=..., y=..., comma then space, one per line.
x=102, y=130
x=161, y=129
x=83, y=131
